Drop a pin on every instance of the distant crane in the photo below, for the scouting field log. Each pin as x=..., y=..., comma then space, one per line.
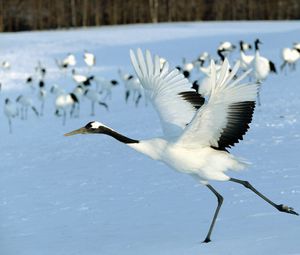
x=89, y=58
x=11, y=111
x=262, y=67
x=197, y=135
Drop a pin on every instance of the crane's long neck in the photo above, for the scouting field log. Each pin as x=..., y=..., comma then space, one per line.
x=121, y=138
x=220, y=53
x=152, y=148
x=256, y=46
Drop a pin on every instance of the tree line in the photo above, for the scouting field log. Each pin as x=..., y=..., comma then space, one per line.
x=20, y=15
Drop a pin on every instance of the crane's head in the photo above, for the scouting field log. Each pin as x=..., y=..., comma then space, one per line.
x=93, y=127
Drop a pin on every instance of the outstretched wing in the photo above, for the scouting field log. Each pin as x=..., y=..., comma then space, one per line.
x=171, y=94
x=225, y=118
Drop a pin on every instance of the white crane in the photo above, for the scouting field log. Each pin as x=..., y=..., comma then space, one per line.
x=262, y=67
x=67, y=62
x=40, y=70
x=81, y=79
x=196, y=136
x=6, y=65
x=246, y=60
x=105, y=86
x=25, y=104
x=89, y=58
x=290, y=58
x=64, y=102
x=226, y=46
x=30, y=82
x=10, y=111
x=96, y=98
x=132, y=87
x=78, y=91
x=57, y=90
x=42, y=95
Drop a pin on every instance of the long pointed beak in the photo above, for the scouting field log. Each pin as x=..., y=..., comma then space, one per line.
x=82, y=130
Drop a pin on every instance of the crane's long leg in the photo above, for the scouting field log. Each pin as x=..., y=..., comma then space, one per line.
x=220, y=201
x=279, y=207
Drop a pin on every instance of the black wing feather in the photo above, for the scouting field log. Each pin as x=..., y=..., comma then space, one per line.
x=193, y=97
x=239, y=117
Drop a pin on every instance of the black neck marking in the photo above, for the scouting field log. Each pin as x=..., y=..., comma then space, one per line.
x=116, y=135
x=241, y=46
x=256, y=44
x=220, y=53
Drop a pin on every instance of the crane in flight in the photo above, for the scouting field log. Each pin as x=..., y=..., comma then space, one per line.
x=197, y=134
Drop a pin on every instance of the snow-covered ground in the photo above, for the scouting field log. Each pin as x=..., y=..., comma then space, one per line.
x=91, y=195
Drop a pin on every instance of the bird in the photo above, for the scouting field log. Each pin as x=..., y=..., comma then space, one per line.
x=132, y=86
x=69, y=60
x=262, y=67
x=226, y=46
x=29, y=81
x=89, y=58
x=95, y=97
x=82, y=79
x=290, y=56
x=6, y=65
x=11, y=111
x=197, y=133
x=78, y=91
x=246, y=60
x=64, y=102
x=105, y=86
x=42, y=95
x=57, y=90
x=26, y=103
x=41, y=70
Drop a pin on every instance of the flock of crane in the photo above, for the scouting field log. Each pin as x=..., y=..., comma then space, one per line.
x=98, y=90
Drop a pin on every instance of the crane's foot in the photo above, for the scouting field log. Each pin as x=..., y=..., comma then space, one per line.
x=286, y=209
x=206, y=240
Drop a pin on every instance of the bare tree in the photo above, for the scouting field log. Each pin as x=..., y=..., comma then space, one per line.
x=73, y=13
x=153, y=6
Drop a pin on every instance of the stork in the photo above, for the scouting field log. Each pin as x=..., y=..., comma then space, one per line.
x=197, y=134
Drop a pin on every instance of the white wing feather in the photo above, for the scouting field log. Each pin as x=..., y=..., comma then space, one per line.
x=163, y=87
x=208, y=124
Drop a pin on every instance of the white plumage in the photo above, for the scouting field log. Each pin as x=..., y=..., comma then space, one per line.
x=261, y=65
x=10, y=111
x=89, y=59
x=290, y=57
x=25, y=104
x=69, y=60
x=246, y=60
x=226, y=46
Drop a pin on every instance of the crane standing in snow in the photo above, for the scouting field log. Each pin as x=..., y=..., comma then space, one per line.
x=11, y=111
x=25, y=104
x=196, y=135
